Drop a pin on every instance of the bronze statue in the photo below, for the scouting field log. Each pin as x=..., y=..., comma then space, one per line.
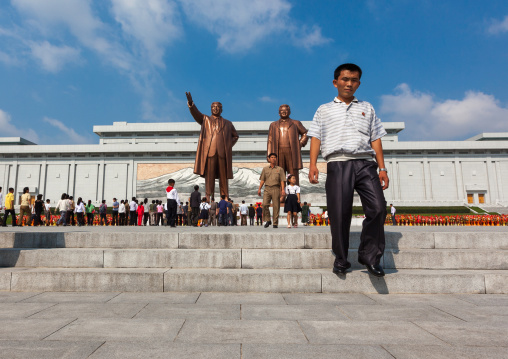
x=284, y=140
x=214, y=156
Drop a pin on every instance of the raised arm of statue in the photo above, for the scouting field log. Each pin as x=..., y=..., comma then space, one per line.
x=198, y=116
x=302, y=131
x=234, y=136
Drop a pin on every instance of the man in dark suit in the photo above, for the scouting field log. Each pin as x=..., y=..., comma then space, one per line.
x=214, y=156
x=285, y=138
x=195, y=201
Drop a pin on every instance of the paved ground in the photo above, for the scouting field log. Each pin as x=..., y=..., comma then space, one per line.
x=248, y=229
x=252, y=325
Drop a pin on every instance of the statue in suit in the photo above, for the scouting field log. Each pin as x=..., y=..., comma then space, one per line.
x=214, y=156
x=285, y=138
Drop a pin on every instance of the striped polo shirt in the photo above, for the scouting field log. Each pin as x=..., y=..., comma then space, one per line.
x=346, y=130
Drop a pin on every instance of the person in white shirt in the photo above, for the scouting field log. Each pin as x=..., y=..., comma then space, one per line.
x=121, y=213
x=47, y=212
x=244, y=212
x=325, y=216
x=133, y=206
x=348, y=133
x=172, y=204
x=292, y=203
x=80, y=211
x=204, y=207
x=392, y=211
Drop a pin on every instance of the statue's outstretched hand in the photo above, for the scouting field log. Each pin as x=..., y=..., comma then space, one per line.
x=189, y=98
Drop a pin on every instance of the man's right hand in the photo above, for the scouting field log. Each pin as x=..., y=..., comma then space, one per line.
x=259, y=192
x=189, y=99
x=313, y=174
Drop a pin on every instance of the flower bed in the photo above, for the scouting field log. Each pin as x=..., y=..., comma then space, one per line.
x=457, y=220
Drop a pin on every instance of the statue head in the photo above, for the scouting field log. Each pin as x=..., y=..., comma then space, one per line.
x=216, y=108
x=284, y=111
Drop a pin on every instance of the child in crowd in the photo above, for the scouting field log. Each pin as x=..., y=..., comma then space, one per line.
x=140, y=212
x=292, y=203
x=203, y=212
x=160, y=209
x=47, y=212
x=173, y=202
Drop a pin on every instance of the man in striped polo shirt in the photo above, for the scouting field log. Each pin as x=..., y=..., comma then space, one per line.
x=348, y=132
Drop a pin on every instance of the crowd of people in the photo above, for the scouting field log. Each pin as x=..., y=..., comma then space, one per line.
x=197, y=211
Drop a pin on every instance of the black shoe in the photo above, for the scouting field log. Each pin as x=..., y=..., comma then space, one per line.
x=267, y=224
x=274, y=226
x=341, y=270
x=374, y=269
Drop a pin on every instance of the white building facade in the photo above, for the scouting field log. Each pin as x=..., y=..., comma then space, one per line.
x=137, y=159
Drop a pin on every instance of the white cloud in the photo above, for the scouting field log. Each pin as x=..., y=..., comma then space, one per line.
x=10, y=130
x=49, y=16
x=267, y=99
x=497, y=26
x=430, y=119
x=53, y=58
x=240, y=25
x=71, y=135
x=154, y=23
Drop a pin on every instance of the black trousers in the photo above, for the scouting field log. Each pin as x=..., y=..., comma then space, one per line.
x=171, y=215
x=194, y=216
x=132, y=218
x=89, y=217
x=251, y=221
x=6, y=215
x=341, y=181
x=114, y=218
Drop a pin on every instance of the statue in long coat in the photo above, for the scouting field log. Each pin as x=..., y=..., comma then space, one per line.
x=214, y=156
x=286, y=137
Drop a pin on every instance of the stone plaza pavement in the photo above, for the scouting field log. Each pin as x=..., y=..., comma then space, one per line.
x=252, y=325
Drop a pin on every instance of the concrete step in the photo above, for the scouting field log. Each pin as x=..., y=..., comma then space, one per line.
x=251, y=280
x=247, y=258
x=296, y=239
x=121, y=258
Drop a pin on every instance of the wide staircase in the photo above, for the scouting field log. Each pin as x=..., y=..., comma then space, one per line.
x=256, y=261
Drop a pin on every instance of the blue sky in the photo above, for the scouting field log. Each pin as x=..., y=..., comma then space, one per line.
x=66, y=65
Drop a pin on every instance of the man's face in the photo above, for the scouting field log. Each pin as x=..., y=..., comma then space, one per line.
x=347, y=84
x=272, y=160
x=284, y=112
x=216, y=108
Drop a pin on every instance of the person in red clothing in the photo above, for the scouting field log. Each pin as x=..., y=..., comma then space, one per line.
x=140, y=210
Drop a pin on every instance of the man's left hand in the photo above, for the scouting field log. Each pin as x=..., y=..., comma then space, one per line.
x=383, y=179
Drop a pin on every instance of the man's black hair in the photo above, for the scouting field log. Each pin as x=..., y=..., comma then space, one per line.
x=304, y=203
x=349, y=67
x=213, y=199
x=243, y=201
x=196, y=187
x=272, y=154
x=133, y=198
x=11, y=189
x=171, y=181
x=223, y=196
x=103, y=201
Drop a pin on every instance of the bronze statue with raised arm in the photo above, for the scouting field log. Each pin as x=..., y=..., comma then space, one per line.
x=214, y=156
x=285, y=138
